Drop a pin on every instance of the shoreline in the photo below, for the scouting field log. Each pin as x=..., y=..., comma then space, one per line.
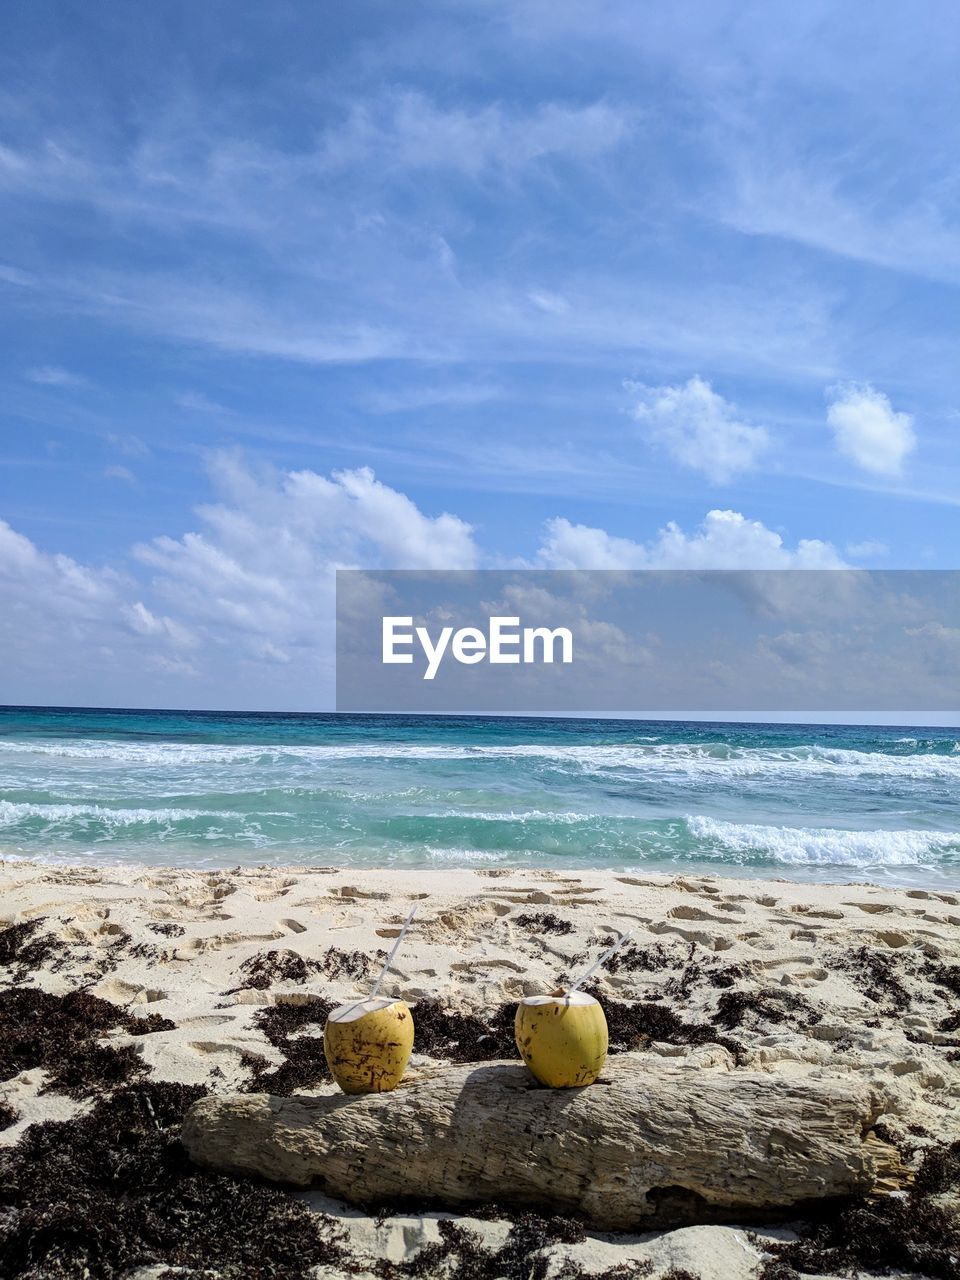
x=216, y=973
x=894, y=878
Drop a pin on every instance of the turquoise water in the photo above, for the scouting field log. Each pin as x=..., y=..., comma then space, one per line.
x=213, y=789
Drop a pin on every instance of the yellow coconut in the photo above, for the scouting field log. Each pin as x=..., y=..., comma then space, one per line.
x=367, y=1044
x=562, y=1038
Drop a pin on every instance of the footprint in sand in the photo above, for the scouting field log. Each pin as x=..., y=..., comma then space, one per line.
x=351, y=891
x=469, y=966
x=816, y=913
x=120, y=992
x=685, y=912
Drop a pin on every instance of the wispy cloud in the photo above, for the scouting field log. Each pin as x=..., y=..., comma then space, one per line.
x=52, y=375
x=425, y=396
x=116, y=472
x=806, y=205
x=406, y=130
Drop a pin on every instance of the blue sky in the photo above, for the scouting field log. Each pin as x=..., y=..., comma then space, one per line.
x=565, y=278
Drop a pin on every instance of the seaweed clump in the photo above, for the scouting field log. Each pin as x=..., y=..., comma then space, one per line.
x=111, y=1191
x=544, y=922
x=24, y=952
x=651, y=959
x=62, y=1034
x=460, y=1254
x=764, y=1007
x=905, y=1233
x=304, y=1063
x=943, y=975
x=875, y=974
x=267, y=968
x=464, y=1037
x=148, y=1025
x=349, y=964
x=637, y=1026
x=166, y=928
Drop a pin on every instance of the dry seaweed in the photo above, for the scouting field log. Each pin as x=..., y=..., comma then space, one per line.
x=939, y=1171
x=147, y=951
x=167, y=929
x=304, y=1067
x=460, y=1254
x=652, y=959
x=113, y=1190
x=875, y=974
x=148, y=1025
x=905, y=1233
x=304, y=1064
x=279, y=1021
x=62, y=1034
x=759, y=1008
x=350, y=964
x=943, y=975
x=697, y=972
x=92, y=1067
x=267, y=968
x=543, y=922
x=637, y=1025
x=464, y=1037
x=24, y=952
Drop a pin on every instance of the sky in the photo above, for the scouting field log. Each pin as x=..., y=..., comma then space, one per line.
x=477, y=284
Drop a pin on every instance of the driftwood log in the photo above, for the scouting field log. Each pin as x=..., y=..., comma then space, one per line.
x=649, y=1145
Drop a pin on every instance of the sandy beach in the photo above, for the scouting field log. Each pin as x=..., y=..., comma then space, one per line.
x=220, y=980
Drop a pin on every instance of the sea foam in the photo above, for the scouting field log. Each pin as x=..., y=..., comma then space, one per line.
x=823, y=845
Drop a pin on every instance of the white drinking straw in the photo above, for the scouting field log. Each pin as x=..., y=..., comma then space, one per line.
x=610, y=951
x=389, y=960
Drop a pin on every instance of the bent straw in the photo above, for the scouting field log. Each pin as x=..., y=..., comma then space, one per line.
x=610, y=951
x=389, y=960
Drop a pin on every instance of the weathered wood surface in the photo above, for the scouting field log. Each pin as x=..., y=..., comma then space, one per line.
x=649, y=1145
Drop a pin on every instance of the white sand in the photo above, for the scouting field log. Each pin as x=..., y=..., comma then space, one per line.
x=468, y=947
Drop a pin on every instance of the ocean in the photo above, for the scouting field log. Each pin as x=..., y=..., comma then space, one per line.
x=209, y=789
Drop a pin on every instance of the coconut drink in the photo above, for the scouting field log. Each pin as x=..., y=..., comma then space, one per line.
x=562, y=1037
x=367, y=1043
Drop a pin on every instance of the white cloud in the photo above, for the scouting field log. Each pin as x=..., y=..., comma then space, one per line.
x=795, y=201
x=130, y=446
x=197, y=402
x=144, y=623
x=553, y=303
x=869, y=549
x=259, y=574
x=50, y=584
x=725, y=540
x=248, y=598
x=52, y=375
x=698, y=428
x=240, y=610
x=868, y=430
x=407, y=130
x=448, y=394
